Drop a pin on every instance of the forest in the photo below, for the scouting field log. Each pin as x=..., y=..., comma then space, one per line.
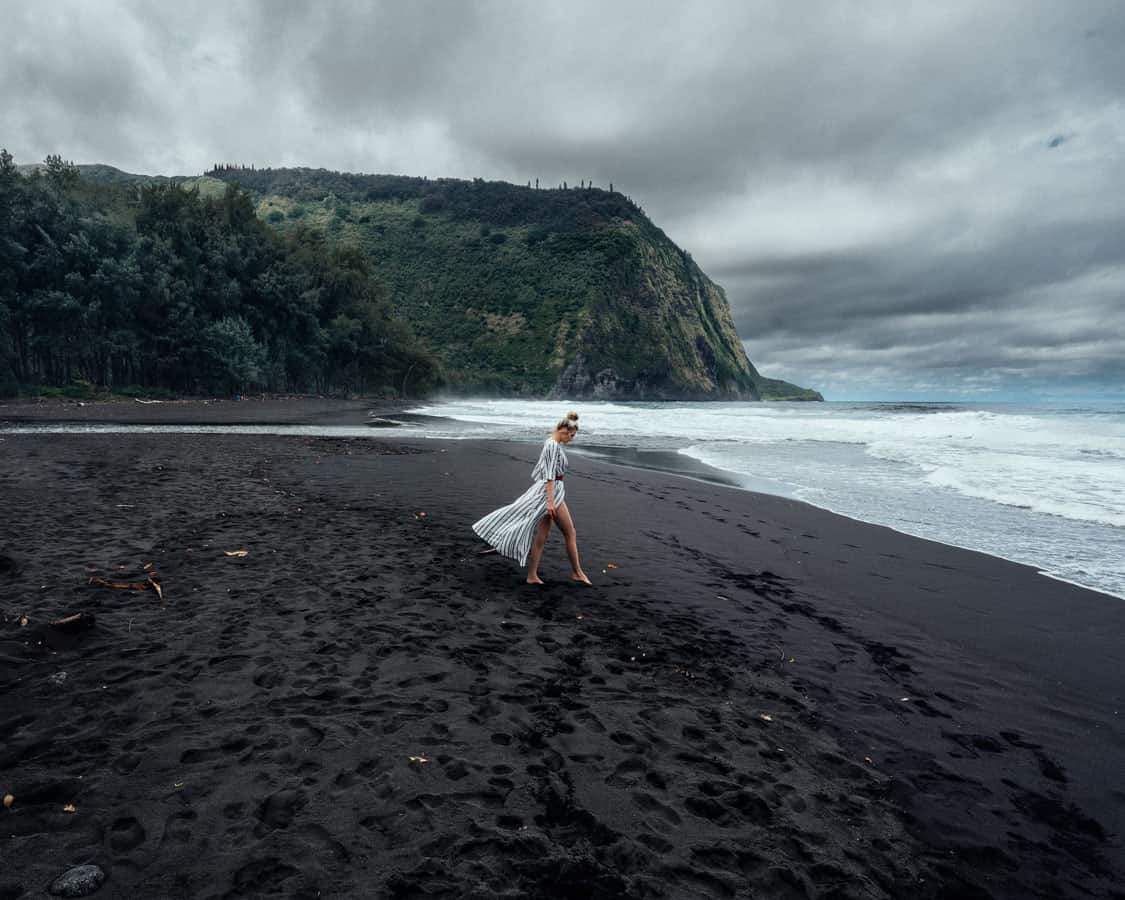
x=154, y=288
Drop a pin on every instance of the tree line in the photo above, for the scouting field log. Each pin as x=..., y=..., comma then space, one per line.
x=496, y=203
x=158, y=287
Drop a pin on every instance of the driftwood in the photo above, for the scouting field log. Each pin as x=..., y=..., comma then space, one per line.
x=149, y=584
x=76, y=622
x=121, y=585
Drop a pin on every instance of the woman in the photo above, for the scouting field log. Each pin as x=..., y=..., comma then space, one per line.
x=520, y=529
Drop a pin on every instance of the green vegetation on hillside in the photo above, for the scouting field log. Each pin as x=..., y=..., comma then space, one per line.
x=117, y=282
x=568, y=292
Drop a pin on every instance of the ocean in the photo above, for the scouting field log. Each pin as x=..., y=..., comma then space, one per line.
x=1039, y=484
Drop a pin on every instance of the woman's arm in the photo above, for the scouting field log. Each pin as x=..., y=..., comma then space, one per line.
x=549, y=459
x=552, y=474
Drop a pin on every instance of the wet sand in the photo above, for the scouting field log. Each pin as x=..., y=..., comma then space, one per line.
x=759, y=698
x=269, y=410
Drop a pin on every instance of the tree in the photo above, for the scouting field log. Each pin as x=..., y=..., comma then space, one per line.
x=231, y=354
x=62, y=174
x=8, y=171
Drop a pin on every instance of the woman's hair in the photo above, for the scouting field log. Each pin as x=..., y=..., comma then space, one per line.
x=570, y=423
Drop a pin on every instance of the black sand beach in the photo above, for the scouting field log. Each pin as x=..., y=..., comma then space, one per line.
x=756, y=699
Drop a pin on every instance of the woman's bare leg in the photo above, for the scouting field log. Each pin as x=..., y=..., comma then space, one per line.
x=566, y=526
x=541, y=532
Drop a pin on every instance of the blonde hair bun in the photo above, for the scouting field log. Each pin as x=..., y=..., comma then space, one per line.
x=573, y=416
x=570, y=423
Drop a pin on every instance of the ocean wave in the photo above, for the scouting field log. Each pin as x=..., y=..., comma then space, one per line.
x=1100, y=506
x=895, y=432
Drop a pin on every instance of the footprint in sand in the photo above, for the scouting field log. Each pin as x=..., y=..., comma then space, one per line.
x=125, y=834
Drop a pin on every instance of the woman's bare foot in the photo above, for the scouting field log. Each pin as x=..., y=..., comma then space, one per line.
x=534, y=579
x=581, y=578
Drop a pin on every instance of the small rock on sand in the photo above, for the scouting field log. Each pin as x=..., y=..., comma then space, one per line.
x=78, y=882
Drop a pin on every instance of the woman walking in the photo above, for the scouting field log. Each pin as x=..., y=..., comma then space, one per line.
x=520, y=529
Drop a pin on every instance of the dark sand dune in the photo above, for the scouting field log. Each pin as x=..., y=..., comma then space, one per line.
x=761, y=700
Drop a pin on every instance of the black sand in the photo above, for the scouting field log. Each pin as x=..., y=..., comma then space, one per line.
x=762, y=699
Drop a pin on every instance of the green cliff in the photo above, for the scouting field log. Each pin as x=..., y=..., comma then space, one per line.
x=561, y=292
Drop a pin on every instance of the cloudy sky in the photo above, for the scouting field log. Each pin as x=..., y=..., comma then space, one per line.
x=901, y=199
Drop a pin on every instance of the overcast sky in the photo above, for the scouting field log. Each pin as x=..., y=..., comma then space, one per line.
x=901, y=199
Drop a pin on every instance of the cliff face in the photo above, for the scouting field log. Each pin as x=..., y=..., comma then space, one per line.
x=661, y=330
x=544, y=293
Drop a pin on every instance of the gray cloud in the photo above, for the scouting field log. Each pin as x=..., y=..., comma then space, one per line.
x=897, y=197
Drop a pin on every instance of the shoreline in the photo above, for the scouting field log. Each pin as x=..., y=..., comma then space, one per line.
x=694, y=471
x=384, y=420
x=936, y=721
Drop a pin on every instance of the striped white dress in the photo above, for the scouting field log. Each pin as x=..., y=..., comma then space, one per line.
x=511, y=529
